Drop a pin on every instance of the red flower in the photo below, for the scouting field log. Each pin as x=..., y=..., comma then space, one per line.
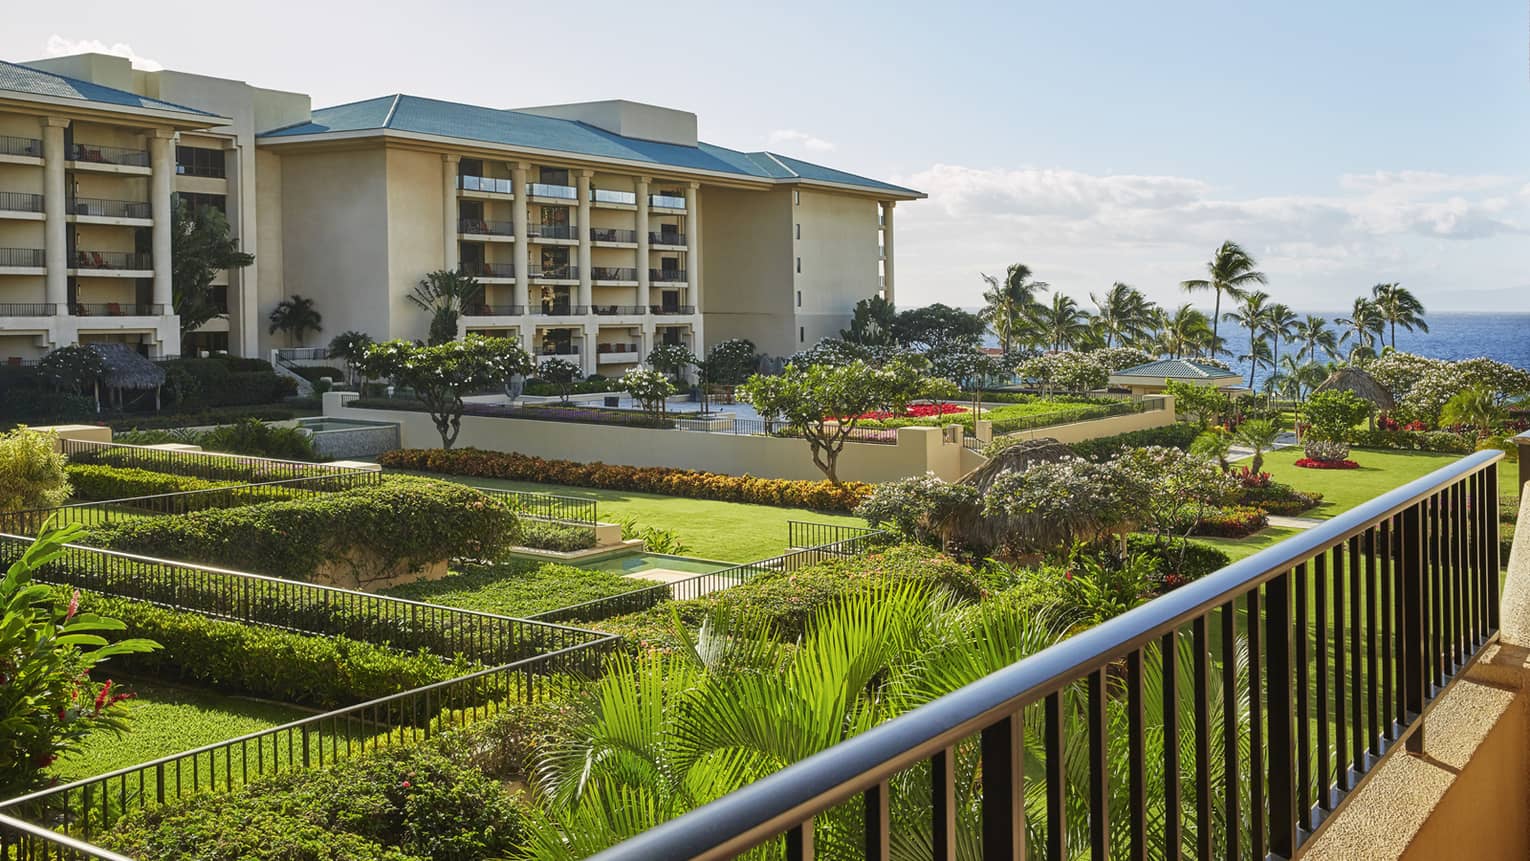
x=74, y=605
x=406, y=784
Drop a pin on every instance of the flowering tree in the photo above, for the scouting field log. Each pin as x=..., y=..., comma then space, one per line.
x=1064, y=371
x=441, y=373
x=561, y=374
x=1053, y=505
x=1439, y=384
x=649, y=387
x=917, y=507
x=1172, y=491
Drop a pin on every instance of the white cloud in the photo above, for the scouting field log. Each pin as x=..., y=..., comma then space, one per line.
x=59, y=46
x=793, y=139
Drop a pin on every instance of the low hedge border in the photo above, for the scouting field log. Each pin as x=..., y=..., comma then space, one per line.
x=1238, y=521
x=94, y=482
x=1280, y=499
x=559, y=537
x=668, y=481
x=1441, y=441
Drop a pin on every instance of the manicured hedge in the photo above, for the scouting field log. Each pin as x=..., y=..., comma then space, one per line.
x=235, y=658
x=402, y=518
x=1277, y=498
x=1441, y=441
x=225, y=381
x=201, y=418
x=521, y=587
x=563, y=538
x=1177, y=435
x=94, y=481
x=817, y=495
x=1238, y=521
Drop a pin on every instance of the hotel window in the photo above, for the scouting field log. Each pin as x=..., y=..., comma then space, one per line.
x=799, y=231
x=799, y=265
x=796, y=198
x=799, y=298
x=801, y=335
x=199, y=161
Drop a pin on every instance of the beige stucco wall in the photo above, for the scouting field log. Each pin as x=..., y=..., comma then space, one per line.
x=415, y=221
x=840, y=265
x=1108, y=426
x=746, y=269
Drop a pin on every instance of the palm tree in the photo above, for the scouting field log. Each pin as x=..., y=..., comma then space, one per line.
x=1125, y=315
x=295, y=316
x=1365, y=325
x=1399, y=307
x=1231, y=271
x=1313, y=333
x=1062, y=324
x=1007, y=300
x=1301, y=376
x=1258, y=355
x=1253, y=314
x=1185, y=332
x=1259, y=435
x=443, y=294
x=1475, y=408
x=1279, y=322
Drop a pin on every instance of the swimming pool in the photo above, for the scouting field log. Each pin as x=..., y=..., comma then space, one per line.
x=634, y=563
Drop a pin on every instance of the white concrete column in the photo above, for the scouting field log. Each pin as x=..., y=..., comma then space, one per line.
x=55, y=230
x=693, y=250
x=521, y=253
x=587, y=352
x=650, y=330
x=162, y=163
x=528, y=334
x=450, y=257
x=887, y=250
x=586, y=294
x=644, y=285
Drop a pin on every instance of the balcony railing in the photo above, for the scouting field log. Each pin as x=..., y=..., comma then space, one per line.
x=1278, y=685
x=560, y=192
x=109, y=208
x=666, y=201
x=22, y=257
x=109, y=155
x=28, y=309
x=112, y=260
x=558, y=350
x=612, y=234
x=552, y=231
x=672, y=310
x=624, y=348
x=612, y=273
x=610, y=310
x=486, y=183
x=21, y=201
x=489, y=228
x=11, y=145
x=479, y=269
x=606, y=195
x=472, y=310
x=559, y=309
x=670, y=275
x=556, y=273
x=664, y=238
x=116, y=309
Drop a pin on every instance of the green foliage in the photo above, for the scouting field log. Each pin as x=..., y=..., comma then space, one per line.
x=561, y=374
x=232, y=657
x=249, y=436
x=441, y=374
x=560, y=537
x=1258, y=435
x=1179, y=435
x=48, y=702
x=730, y=362
x=295, y=316
x=1281, y=499
x=32, y=473
x=441, y=294
x=1474, y=408
x=917, y=507
x=401, y=519
x=1064, y=371
x=938, y=328
x=1332, y=415
x=73, y=369
x=94, y=481
x=1203, y=403
x=1214, y=444
x=1178, y=560
x=212, y=416
x=201, y=247
x=1058, y=504
x=1443, y=441
x=23, y=405
x=655, y=539
x=871, y=323
x=217, y=381
x=649, y=387
x=351, y=346
x=671, y=359
x=425, y=803
x=519, y=587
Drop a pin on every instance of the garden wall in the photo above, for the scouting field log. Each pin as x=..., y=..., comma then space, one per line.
x=1161, y=415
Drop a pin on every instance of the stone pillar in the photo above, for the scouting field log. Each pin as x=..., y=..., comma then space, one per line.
x=644, y=292
x=693, y=251
x=162, y=163
x=586, y=294
x=650, y=330
x=521, y=253
x=587, y=350
x=55, y=230
x=887, y=250
x=450, y=256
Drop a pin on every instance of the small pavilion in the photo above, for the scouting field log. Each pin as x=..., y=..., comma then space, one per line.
x=1153, y=377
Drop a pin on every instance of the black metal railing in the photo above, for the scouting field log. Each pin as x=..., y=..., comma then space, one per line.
x=547, y=506
x=103, y=208
x=672, y=275
x=612, y=234
x=125, y=260
x=28, y=309
x=558, y=350
x=663, y=238
x=608, y=310
x=486, y=226
x=21, y=839
x=22, y=257
x=556, y=273
x=806, y=533
x=559, y=309
x=485, y=269
x=606, y=195
x=671, y=310
x=115, y=309
x=613, y=273
x=552, y=231
x=199, y=464
x=1304, y=667
x=626, y=348
x=21, y=201
x=108, y=155
x=12, y=145
x=486, y=183
x=493, y=310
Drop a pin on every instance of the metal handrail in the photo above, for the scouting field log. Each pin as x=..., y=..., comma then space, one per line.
x=558, y=192
x=481, y=310
x=672, y=310
x=612, y=234
x=122, y=260
x=548, y=506
x=666, y=201
x=13, y=145
x=661, y=238
x=22, y=257
x=21, y=201
x=82, y=152
x=613, y=273
x=28, y=309
x=485, y=183
x=199, y=464
x=115, y=309
x=486, y=227
x=668, y=275
x=607, y=195
x=103, y=208
x=556, y=273
x=488, y=269
x=608, y=310
x=1455, y=508
x=552, y=231
x=59, y=843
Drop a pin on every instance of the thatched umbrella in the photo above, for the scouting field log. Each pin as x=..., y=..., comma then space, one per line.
x=124, y=369
x=967, y=526
x=1363, y=385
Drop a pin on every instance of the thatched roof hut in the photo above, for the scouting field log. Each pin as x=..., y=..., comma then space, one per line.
x=968, y=528
x=123, y=369
x=1362, y=384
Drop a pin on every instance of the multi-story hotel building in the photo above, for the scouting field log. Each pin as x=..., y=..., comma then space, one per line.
x=596, y=229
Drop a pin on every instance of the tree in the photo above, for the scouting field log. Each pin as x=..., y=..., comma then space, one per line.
x=935, y=328
x=1204, y=403
x=1397, y=306
x=48, y=701
x=1068, y=372
x=74, y=369
x=351, y=346
x=201, y=246
x=1253, y=314
x=731, y=362
x=671, y=359
x=1125, y=315
x=1260, y=436
x=1062, y=324
x=440, y=374
x=442, y=294
x=1231, y=272
x=1185, y=332
x=650, y=387
x=295, y=317
x=1364, y=326
x=1332, y=414
x=32, y=474
x=561, y=374
x=1280, y=322
x=1313, y=334
x=1473, y=408
x=1173, y=491
x=871, y=323
x=1007, y=301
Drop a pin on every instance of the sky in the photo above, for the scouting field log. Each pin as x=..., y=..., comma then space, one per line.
x=1342, y=144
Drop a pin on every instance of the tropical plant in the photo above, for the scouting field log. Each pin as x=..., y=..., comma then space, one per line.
x=1068, y=372
x=350, y=346
x=1258, y=356
x=32, y=472
x=730, y=362
x=649, y=387
x=563, y=375
x=1007, y=302
x=1258, y=435
x=1397, y=306
x=672, y=360
x=442, y=294
x=1363, y=327
x=201, y=246
x=1058, y=504
x=441, y=374
x=48, y=702
x=871, y=323
x=75, y=369
x=917, y=507
x=1214, y=445
x=936, y=327
x=1332, y=414
x=295, y=316
x=1061, y=324
x=1253, y=314
x=1203, y=403
x=1185, y=332
x=1474, y=408
x=1313, y=334
x=1124, y=315
x=1279, y=322
x=1171, y=492
x=1231, y=271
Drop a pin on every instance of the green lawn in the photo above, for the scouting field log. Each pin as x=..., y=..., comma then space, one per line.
x=725, y=531
x=1237, y=548
x=518, y=588
x=1343, y=489
x=166, y=720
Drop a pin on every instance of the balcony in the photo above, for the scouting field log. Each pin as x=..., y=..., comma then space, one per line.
x=606, y=195
x=558, y=309
x=98, y=208
x=555, y=273
x=613, y=234
x=667, y=276
x=113, y=260
x=472, y=310
x=676, y=240
x=613, y=273
x=479, y=226
x=616, y=353
x=563, y=232
x=617, y=310
x=486, y=184
x=553, y=192
x=22, y=258
x=672, y=310
x=28, y=309
x=116, y=309
x=21, y=147
x=666, y=201
x=96, y=154
x=558, y=350
x=484, y=269
x=20, y=201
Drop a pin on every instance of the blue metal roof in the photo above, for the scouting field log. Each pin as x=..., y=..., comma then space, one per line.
x=1176, y=369
x=518, y=129
x=25, y=79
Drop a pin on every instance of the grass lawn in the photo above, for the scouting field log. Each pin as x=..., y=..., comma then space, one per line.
x=1237, y=548
x=166, y=720
x=518, y=588
x=1343, y=489
x=725, y=531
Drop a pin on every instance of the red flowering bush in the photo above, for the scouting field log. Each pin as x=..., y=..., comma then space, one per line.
x=1249, y=478
x=916, y=411
x=1235, y=521
x=1310, y=463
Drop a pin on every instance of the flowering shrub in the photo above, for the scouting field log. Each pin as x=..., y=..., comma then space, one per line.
x=1277, y=498
x=1309, y=463
x=1249, y=478
x=916, y=507
x=1236, y=521
x=917, y=411
x=1387, y=423
x=1413, y=440
x=818, y=495
x=1320, y=449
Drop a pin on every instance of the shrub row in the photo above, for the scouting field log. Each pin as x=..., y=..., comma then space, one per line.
x=1238, y=521
x=1198, y=559
x=95, y=481
x=559, y=537
x=522, y=587
x=235, y=658
x=817, y=495
x=413, y=521
x=224, y=381
x=1441, y=441
x=245, y=436
x=201, y=418
x=1177, y=435
x=1277, y=498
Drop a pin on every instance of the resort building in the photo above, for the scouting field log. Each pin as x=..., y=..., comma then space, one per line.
x=1152, y=378
x=596, y=230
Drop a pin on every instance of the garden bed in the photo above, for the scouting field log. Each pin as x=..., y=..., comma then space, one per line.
x=520, y=588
